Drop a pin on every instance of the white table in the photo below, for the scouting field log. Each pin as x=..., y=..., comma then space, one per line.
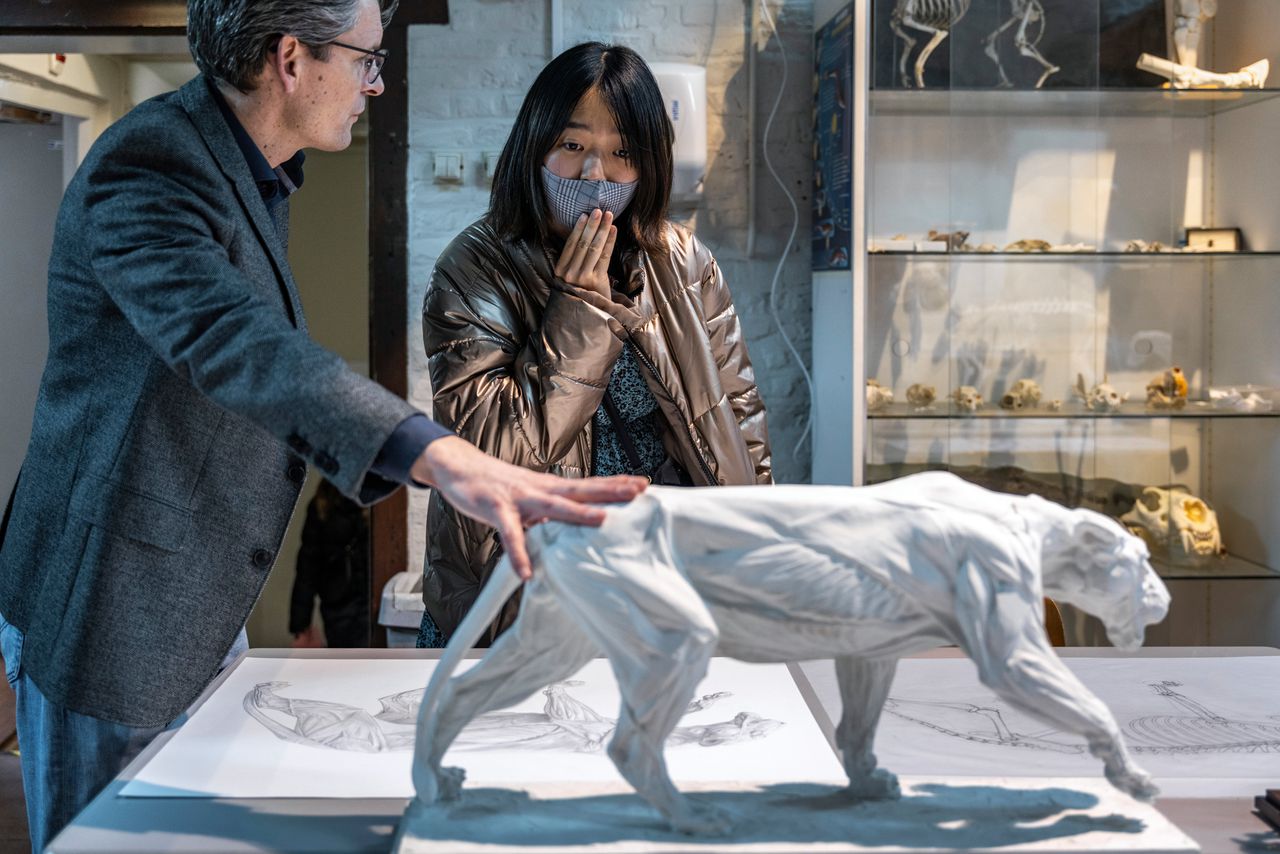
x=200, y=826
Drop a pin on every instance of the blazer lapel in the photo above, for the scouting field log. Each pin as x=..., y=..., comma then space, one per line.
x=204, y=112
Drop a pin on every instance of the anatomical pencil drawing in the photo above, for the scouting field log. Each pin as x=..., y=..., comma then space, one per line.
x=564, y=724
x=1191, y=726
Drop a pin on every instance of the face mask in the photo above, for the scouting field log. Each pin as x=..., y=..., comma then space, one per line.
x=570, y=198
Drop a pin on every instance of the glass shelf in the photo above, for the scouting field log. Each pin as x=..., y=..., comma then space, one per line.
x=1175, y=103
x=1111, y=256
x=1071, y=410
x=1227, y=567
x=1108, y=497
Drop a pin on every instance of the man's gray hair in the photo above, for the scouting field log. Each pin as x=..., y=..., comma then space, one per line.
x=230, y=39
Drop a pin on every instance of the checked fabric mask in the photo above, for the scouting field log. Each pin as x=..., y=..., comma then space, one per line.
x=570, y=198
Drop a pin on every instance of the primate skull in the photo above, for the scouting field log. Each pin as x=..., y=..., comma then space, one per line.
x=1025, y=394
x=1175, y=521
x=1103, y=397
x=878, y=396
x=921, y=396
x=1169, y=390
x=967, y=399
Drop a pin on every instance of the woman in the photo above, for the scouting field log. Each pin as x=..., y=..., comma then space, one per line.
x=573, y=329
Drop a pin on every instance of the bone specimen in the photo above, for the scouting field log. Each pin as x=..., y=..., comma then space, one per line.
x=1054, y=405
x=1025, y=394
x=1103, y=397
x=1187, y=24
x=987, y=247
x=1233, y=398
x=1144, y=246
x=1175, y=522
x=921, y=396
x=1188, y=77
x=934, y=17
x=967, y=399
x=878, y=396
x=1028, y=246
x=1168, y=391
x=1025, y=13
x=955, y=240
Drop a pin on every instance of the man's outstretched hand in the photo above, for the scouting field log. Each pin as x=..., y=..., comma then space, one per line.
x=511, y=498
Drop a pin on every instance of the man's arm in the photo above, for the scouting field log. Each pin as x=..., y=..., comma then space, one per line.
x=510, y=498
x=158, y=234
x=161, y=230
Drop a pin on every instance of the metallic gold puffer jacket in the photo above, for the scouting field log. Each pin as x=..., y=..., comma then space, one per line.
x=520, y=361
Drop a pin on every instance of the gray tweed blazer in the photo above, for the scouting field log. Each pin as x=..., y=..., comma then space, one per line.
x=180, y=404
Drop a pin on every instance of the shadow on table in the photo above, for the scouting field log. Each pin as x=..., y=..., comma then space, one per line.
x=177, y=821
x=933, y=816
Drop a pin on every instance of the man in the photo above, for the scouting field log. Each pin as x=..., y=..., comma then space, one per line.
x=182, y=399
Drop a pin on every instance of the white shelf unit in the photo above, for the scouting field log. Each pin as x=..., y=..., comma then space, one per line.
x=1093, y=167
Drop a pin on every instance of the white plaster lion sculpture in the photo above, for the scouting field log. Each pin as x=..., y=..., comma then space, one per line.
x=784, y=573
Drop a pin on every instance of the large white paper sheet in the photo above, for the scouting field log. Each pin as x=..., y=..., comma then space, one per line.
x=251, y=741
x=1204, y=727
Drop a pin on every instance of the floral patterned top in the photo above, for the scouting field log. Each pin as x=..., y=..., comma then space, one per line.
x=639, y=409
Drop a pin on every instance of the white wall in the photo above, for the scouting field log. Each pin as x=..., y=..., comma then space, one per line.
x=467, y=80
x=92, y=90
x=30, y=189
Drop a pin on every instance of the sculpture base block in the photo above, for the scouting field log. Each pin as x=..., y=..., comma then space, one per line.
x=946, y=815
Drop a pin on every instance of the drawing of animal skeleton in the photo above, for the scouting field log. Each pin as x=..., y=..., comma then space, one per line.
x=787, y=573
x=956, y=719
x=565, y=724
x=936, y=18
x=1201, y=731
x=1197, y=730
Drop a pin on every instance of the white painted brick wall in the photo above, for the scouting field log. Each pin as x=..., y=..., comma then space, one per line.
x=467, y=80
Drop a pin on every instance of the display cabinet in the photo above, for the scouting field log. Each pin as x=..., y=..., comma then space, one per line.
x=1028, y=246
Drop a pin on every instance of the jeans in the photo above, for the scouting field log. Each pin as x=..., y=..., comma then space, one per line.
x=67, y=757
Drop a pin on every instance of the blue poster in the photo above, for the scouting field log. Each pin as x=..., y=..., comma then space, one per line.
x=833, y=142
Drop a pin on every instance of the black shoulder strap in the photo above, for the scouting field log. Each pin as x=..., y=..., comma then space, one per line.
x=623, y=434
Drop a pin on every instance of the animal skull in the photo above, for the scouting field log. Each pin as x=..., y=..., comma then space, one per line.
x=878, y=396
x=956, y=240
x=967, y=399
x=921, y=396
x=1025, y=394
x=1176, y=522
x=1103, y=397
x=1168, y=391
x=1028, y=245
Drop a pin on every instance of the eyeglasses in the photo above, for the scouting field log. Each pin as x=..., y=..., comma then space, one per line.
x=374, y=60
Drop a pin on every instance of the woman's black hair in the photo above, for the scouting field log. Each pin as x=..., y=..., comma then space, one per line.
x=517, y=205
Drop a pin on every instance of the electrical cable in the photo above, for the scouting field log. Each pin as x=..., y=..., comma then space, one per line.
x=791, y=239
